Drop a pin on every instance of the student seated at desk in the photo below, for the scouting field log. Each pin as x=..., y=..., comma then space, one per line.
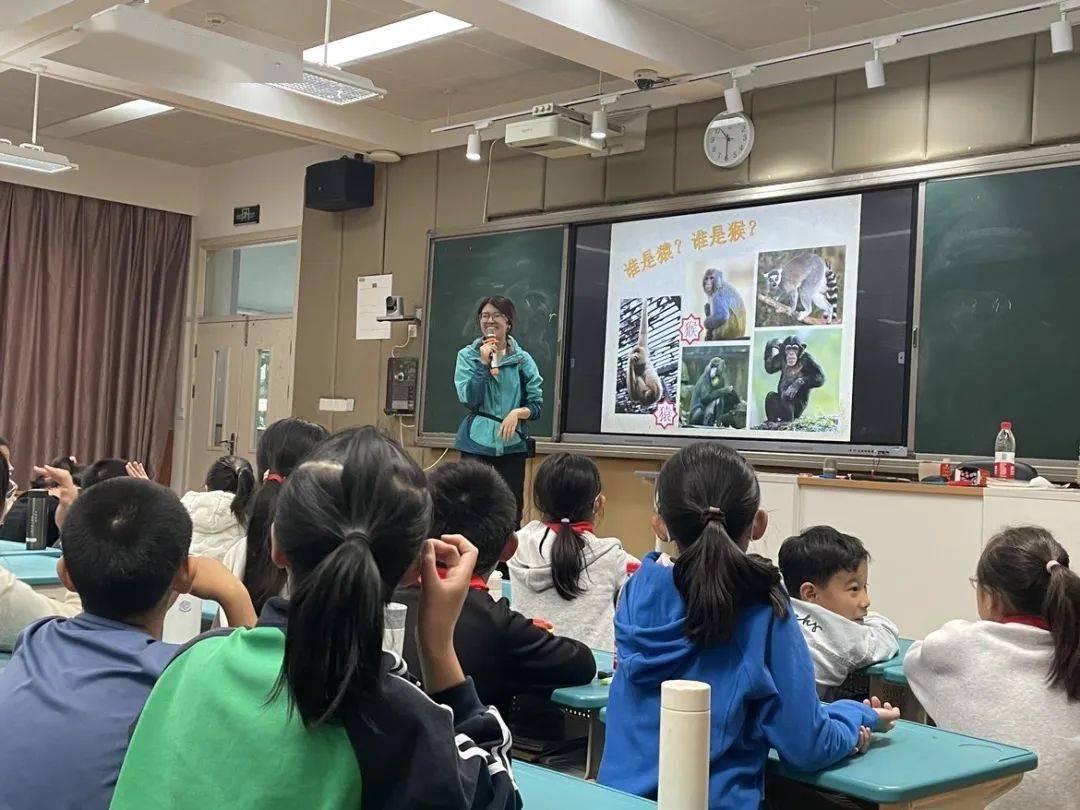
x=719, y=616
x=281, y=448
x=74, y=686
x=14, y=526
x=1014, y=676
x=826, y=574
x=306, y=710
x=562, y=572
x=219, y=511
x=504, y=652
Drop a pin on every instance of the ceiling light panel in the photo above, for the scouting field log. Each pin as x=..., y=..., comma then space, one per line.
x=386, y=38
x=332, y=85
x=33, y=159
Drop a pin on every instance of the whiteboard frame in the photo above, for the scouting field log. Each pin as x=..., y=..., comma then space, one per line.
x=1044, y=157
x=436, y=439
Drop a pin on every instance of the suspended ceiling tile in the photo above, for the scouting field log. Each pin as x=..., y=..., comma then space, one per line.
x=59, y=100
x=299, y=21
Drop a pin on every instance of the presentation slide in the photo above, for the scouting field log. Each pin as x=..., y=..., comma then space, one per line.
x=737, y=323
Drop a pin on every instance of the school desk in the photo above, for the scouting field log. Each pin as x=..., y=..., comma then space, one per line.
x=587, y=701
x=544, y=789
x=38, y=571
x=9, y=547
x=916, y=765
x=896, y=685
x=4, y=658
x=920, y=766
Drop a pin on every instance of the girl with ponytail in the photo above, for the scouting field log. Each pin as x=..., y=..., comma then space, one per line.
x=311, y=678
x=281, y=448
x=721, y=616
x=1014, y=676
x=219, y=511
x=562, y=571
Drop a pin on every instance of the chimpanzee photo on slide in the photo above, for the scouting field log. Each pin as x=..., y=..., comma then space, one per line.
x=799, y=375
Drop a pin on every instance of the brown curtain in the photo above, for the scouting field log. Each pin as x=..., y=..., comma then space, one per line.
x=91, y=314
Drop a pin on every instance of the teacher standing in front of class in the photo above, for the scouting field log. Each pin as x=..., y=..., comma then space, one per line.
x=497, y=380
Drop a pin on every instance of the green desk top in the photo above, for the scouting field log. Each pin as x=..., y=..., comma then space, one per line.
x=592, y=695
x=879, y=668
x=33, y=569
x=543, y=789
x=9, y=547
x=894, y=673
x=4, y=658
x=913, y=761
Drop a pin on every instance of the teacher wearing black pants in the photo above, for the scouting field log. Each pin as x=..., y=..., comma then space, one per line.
x=497, y=380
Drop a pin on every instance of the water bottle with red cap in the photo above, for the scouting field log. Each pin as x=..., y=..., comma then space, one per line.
x=1005, y=452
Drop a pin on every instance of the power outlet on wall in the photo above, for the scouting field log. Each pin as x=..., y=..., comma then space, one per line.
x=412, y=330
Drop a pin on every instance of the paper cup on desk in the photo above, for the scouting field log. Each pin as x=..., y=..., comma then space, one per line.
x=394, y=627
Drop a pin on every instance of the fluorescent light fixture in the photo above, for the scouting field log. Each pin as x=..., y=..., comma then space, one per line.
x=1061, y=35
x=333, y=85
x=386, y=38
x=875, y=72
x=138, y=35
x=34, y=158
x=599, y=124
x=733, y=98
x=109, y=117
x=472, y=148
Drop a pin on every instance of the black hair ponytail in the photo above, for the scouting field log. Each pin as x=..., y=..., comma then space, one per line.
x=350, y=521
x=233, y=474
x=565, y=492
x=708, y=496
x=281, y=448
x=335, y=633
x=1030, y=569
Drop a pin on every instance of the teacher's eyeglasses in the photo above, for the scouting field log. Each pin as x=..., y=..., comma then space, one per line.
x=492, y=316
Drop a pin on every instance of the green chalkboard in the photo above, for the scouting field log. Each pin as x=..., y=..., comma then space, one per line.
x=526, y=267
x=999, y=313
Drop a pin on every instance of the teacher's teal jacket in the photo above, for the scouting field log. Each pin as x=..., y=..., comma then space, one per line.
x=519, y=385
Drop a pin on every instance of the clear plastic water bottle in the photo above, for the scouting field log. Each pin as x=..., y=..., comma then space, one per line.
x=1005, y=452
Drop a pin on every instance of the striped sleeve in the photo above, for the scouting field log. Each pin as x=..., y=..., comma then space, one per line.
x=443, y=751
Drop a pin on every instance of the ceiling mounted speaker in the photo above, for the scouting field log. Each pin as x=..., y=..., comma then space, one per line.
x=122, y=38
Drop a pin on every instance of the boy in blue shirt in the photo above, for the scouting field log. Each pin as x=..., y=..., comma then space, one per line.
x=74, y=687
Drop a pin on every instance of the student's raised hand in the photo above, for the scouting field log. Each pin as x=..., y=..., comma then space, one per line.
x=135, y=469
x=209, y=579
x=62, y=487
x=441, y=598
x=887, y=714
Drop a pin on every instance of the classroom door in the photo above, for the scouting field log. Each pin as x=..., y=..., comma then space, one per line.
x=242, y=383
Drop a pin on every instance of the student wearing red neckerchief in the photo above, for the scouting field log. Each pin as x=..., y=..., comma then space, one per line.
x=562, y=571
x=504, y=652
x=1014, y=676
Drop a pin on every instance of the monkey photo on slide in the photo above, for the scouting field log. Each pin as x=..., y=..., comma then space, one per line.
x=643, y=383
x=802, y=283
x=712, y=397
x=725, y=311
x=799, y=375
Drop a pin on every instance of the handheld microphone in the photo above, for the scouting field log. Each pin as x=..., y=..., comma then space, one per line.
x=494, y=355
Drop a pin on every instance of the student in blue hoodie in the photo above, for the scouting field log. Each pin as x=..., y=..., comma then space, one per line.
x=720, y=616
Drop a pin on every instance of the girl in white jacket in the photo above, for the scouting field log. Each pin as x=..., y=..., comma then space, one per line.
x=219, y=512
x=1015, y=675
x=562, y=572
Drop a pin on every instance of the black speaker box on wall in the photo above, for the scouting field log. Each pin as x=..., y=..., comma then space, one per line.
x=339, y=185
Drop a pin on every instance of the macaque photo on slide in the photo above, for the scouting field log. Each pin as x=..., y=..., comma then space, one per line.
x=719, y=292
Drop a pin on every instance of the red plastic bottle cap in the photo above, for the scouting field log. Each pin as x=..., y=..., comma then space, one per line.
x=1006, y=425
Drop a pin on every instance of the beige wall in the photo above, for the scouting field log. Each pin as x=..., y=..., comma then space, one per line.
x=997, y=97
